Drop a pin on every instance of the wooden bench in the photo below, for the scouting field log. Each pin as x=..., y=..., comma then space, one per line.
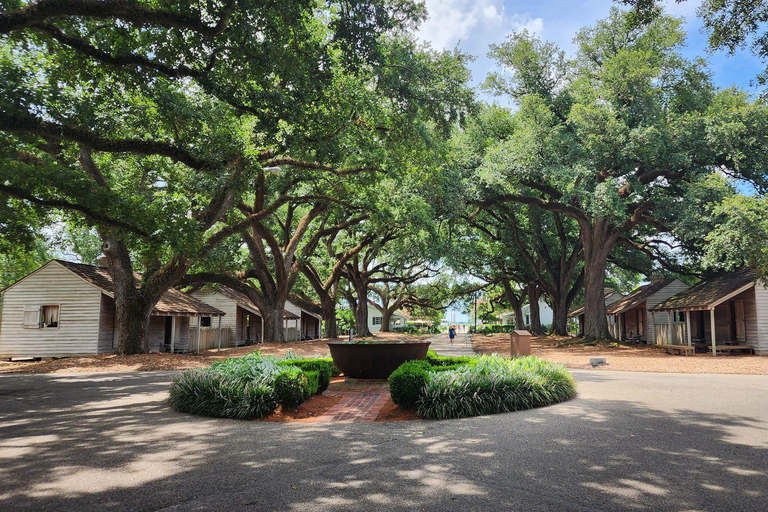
x=740, y=348
x=680, y=349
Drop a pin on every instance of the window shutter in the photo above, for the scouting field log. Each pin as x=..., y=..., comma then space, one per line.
x=32, y=317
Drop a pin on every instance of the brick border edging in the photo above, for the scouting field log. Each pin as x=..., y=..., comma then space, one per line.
x=356, y=405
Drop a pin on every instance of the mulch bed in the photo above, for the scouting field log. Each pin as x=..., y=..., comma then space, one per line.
x=570, y=352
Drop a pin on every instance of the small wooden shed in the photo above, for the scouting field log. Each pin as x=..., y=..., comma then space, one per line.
x=68, y=309
x=243, y=323
x=630, y=319
x=611, y=296
x=728, y=312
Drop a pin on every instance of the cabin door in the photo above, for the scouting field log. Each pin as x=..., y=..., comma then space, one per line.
x=168, y=330
x=741, y=324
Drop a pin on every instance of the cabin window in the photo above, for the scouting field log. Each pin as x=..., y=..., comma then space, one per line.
x=377, y=320
x=205, y=321
x=32, y=318
x=50, y=316
x=396, y=321
x=678, y=316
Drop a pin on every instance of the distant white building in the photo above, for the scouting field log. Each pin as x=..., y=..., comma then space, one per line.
x=375, y=318
x=545, y=313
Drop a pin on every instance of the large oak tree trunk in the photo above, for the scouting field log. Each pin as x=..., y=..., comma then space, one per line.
x=133, y=314
x=596, y=249
x=133, y=304
x=516, y=303
x=361, y=320
x=361, y=308
x=273, y=324
x=533, y=299
x=386, y=317
x=331, y=329
x=560, y=315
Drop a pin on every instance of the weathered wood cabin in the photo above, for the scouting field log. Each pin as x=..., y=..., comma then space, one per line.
x=243, y=324
x=630, y=319
x=726, y=313
x=68, y=309
x=611, y=296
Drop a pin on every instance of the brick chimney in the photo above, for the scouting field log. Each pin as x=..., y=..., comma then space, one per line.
x=657, y=278
x=102, y=261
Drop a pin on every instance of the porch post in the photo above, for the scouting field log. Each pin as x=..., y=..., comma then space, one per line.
x=262, y=329
x=219, y=349
x=688, y=326
x=653, y=328
x=173, y=332
x=669, y=327
x=199, y=328
x=621, y=330
x=712, y=321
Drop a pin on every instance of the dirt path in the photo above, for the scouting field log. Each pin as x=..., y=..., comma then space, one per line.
x=162, y=361
x=641, y=358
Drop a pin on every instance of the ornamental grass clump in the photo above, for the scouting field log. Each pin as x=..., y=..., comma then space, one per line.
x=247, y=387
x=494, y=385
x=205, y=392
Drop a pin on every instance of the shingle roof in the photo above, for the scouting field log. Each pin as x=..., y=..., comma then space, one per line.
x=578, y=311
x=172, y=302
x=243, y=301
x=710, y=291
x=637, y=297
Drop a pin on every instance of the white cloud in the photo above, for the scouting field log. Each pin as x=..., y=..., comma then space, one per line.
x=480, y=22
x=525, y=22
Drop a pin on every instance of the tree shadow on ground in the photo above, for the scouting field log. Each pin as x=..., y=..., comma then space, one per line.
x=109, y=442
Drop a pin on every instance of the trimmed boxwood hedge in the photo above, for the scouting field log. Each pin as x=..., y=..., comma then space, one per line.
x=406, y=382
x=324, y=368
x=442, y=388
x=248, y=387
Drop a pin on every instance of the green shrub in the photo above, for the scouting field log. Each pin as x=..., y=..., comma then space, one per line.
x=323, y=367
x=211, y=393
x=291, y=387
x=436, y=360
x=493, y=385
x=493, y=328
x=313, y=382
x=406, y=383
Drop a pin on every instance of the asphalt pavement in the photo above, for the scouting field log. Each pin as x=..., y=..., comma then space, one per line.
x=629, y=441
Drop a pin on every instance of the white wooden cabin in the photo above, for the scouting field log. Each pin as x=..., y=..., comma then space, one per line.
x=375, y=318
x=68, y=309
x=611, y=296
x=546, y=315
x=243, y=324
x=727, y=313
x=630, y=318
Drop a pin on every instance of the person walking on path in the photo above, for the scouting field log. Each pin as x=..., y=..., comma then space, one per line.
x=451, y=333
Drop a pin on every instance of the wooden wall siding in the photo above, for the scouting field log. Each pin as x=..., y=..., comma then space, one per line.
x=630, y=323
x=78, y=330
x=209, y=338
x=221, y=302
x=761, y=323
x=722, y=322
x=107, y=337
x=671, y=289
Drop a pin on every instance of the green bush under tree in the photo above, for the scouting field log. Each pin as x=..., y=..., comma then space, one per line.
x=249, y=387
x=457, y=387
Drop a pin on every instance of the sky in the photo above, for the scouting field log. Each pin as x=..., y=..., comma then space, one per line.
x=472, y=25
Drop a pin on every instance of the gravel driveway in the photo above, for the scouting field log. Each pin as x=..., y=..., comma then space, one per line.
x=629, y=441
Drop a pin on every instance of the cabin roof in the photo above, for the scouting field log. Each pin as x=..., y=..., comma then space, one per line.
x=173, y=302
x=637, y=297
x=244, y=302
x=580, y=310
x=710, y=292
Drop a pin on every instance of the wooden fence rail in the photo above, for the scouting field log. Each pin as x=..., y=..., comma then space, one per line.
x=209, y=338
